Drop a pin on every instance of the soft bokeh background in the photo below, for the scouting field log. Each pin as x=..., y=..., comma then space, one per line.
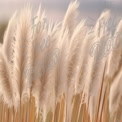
x=55, y=9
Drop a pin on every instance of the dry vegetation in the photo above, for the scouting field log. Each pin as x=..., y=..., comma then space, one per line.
x=2, y=30
x=60, y=72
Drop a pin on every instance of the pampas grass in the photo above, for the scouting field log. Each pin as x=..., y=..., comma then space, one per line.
x=60, y=72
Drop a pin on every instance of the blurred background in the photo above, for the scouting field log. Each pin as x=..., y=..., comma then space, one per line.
x=55, y=9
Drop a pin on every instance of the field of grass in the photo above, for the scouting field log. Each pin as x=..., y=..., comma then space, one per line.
x=60, y=72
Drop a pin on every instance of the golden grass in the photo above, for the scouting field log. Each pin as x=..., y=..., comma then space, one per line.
x=56, y=90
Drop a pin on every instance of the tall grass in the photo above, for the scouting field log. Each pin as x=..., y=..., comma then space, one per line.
x=60, y=72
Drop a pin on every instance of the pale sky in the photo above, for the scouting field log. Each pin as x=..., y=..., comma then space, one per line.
x=55, y=8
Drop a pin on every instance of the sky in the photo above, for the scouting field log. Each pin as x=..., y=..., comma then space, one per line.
x=56, y=8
